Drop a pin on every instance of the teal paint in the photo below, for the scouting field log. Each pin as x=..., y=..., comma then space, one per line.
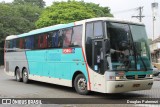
x=54, y=63
x=138, y=73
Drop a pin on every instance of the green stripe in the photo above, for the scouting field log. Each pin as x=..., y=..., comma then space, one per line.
x=138, y=72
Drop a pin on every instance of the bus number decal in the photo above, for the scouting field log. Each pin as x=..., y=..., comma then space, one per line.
x=68, y=51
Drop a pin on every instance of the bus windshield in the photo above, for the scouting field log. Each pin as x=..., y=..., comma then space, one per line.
x=129, y=47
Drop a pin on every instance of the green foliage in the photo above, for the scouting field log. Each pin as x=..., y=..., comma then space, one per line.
x=99, y=10
x=39, y=3
x=70, y=11
x=16, y=19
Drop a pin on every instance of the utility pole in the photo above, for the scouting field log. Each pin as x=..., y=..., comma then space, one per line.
x=140, y=16
x=154, y=8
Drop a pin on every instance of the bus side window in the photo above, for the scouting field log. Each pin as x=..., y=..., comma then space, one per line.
x=49, y=39
x=67, y=37
x=42, y=41
x=11, y=44
x=39, y=41
x=55, y=36
x=60, y=38
x=89, y=36
x=14, y=43
x=36, y=42
x=77, y=36
x=21, y=43
x=89, y=33
x=32, y=42
x=98, y=32
x=27, y=43
x=52, y=39
x=17, y=43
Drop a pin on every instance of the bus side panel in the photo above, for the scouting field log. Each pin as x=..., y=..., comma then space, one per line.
x=15, y=59
x=76, y=62
x=36, y=61
x=55, y=63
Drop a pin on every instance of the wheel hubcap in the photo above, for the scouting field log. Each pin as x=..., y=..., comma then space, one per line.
x=82, y=84
x=25, y=75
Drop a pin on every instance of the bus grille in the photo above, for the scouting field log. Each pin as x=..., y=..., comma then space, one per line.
x=133, y=76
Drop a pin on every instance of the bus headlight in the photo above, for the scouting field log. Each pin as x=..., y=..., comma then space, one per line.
x=120, y=77
x=117, y=78
x=149, y=76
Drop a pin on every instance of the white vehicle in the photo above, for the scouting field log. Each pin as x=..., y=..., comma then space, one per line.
x=156, y=71
x=79, y=55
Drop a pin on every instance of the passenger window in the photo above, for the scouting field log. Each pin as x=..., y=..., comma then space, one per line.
x=55, y=39
x=42, y=41
x=31, y=38
x=27, y=42
x=36, y=44
x=21, y=43
x=89, y=32
x=50, y=34
x=10, y=45
x=67, y=37
x=60, y=38
x=98, y=31
x=17, y=43
x=77, y=36
x=14, y=43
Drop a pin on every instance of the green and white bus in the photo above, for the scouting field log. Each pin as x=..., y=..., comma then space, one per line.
x=103, y=54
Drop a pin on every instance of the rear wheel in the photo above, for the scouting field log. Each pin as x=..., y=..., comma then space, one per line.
x=25, y=76
x=18, y=77
x=80, y=84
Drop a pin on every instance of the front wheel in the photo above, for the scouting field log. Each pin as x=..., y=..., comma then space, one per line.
x=25, y=76
x=80, y=84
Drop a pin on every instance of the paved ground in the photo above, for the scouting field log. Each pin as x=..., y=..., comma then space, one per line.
x=12, y=89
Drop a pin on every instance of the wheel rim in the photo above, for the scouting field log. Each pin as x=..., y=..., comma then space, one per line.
x=82, y=84
x=25, y=75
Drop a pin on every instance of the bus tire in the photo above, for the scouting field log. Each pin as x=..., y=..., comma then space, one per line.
x=25, y=76
x=18, y=77
x=80, y=84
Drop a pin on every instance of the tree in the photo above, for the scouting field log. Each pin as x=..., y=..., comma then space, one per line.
x=70, y=11
x=16, y=19
x=99, y=10
x=39, y=3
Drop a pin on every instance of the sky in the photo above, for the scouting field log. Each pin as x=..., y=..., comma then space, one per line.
x=125, y=9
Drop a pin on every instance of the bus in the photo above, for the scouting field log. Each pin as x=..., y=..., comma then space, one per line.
x=105, y=55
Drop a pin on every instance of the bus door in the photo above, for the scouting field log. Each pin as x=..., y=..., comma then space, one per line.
x=98, y=64
x=98, y=56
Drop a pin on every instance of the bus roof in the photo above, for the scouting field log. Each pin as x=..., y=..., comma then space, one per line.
x=61, y=26
x=114, y=20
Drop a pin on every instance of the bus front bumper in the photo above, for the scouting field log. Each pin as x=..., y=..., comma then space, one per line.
x=128, y=85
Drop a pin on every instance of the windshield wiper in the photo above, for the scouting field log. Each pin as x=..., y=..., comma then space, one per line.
x=137, y=54
x=145, y=67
